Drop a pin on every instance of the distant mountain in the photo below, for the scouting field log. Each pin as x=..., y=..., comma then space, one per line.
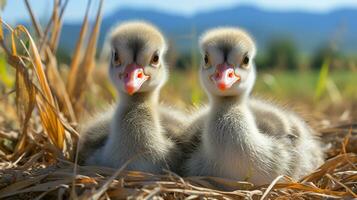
x=308, y=30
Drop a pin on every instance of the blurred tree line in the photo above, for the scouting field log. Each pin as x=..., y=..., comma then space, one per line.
x=281, y=54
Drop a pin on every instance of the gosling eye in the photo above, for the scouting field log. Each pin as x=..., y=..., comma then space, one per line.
x=116, y=59
x=207, y=62
x=155, y=60
x=245, y=62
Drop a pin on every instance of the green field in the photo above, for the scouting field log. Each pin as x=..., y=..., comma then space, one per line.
x=282, y=85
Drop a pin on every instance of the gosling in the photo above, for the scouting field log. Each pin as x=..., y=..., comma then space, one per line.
x=245, y=138
x=139, y=129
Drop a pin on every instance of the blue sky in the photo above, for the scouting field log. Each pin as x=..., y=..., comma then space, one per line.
x=15, y=9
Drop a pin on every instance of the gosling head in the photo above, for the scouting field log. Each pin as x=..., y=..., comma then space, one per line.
x=227, y=67
x=137, y=63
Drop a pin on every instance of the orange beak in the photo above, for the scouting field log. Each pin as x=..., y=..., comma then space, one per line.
x=224, y=77
x=134, y=77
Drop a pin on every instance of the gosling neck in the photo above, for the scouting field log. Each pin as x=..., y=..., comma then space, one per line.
x=227, y=101
x=150, y=97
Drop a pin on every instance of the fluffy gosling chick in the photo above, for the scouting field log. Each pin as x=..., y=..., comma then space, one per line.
x=135, y=128
x=245, y=138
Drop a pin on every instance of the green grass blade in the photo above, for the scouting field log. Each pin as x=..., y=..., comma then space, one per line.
x=322, y=81
x=5, y=77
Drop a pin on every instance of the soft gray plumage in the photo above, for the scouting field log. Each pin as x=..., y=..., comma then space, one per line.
x=246, y=138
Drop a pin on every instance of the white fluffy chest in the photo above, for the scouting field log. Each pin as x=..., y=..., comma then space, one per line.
x=239, y=165
x=138, y=139
x=148, y=155
x=237, y=150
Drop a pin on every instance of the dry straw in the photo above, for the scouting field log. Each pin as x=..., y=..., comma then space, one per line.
x=37, y=157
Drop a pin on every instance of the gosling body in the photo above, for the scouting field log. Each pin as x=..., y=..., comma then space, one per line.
x=134, y=131
x=245, y=138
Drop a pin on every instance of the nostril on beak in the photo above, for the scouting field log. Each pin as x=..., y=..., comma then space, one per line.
x=230, y=75
x=126, y=75
x=140, y=75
